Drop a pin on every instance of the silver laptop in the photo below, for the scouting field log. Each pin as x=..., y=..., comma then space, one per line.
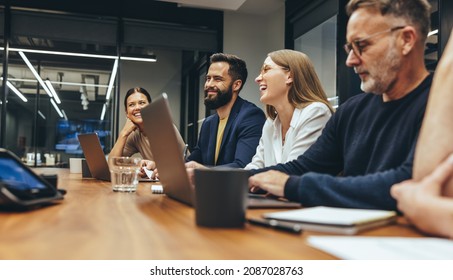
x=158, y=124
x=95, y=158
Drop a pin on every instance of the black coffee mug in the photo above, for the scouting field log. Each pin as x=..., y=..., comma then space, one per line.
x=221, y=197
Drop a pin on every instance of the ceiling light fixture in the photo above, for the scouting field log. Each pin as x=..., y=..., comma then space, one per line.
x=104, y=108
x=85, y=103
x=32, y=69
x=60, y=83
x=56, y=108
x=112, y=80
x=64, y=114
x=41, y=115
x=148, y=58
x=16, y=91
x=54, y=93
x=433, y=32
x=152, y=58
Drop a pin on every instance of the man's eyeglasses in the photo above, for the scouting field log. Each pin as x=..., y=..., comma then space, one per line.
x=358, y=45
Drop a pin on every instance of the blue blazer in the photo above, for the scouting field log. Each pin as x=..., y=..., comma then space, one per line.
x=240, y=138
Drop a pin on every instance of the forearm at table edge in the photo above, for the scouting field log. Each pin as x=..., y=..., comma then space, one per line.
x=370, y=191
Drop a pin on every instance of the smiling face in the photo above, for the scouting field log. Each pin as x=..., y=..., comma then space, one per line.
x=274, y=83
x=218, y=86
x=135, y=102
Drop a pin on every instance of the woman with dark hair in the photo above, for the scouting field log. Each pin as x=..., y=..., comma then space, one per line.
x=131, y=139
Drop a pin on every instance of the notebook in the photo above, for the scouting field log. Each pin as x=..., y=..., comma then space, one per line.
x=95, y=158
x=170, y=161
x=335, y=220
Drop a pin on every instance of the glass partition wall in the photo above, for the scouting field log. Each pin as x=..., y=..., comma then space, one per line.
x=60, y=82
x=53, y=103
x=319, y=44
x=2, y=92
x=313, y=28
x=68, y=73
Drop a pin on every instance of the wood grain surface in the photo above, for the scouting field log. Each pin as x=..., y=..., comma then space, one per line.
x=93, y=222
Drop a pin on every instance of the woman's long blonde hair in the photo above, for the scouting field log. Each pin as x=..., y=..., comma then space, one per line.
x=306, y=87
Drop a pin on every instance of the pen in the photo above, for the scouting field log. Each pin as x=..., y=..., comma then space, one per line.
x=288, y=227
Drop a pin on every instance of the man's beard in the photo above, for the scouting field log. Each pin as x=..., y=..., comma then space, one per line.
x=220, y=99
x=383, y=73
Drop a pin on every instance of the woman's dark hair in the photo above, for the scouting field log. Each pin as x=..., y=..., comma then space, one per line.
x=134, y=90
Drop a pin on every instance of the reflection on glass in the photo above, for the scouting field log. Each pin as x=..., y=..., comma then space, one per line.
x=2, y=43
x=63, y=94
x=43, y=130
x=432, y=46
x=69, y=102
x=320, y=45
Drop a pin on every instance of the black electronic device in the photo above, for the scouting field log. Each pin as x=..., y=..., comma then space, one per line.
x=20, y=187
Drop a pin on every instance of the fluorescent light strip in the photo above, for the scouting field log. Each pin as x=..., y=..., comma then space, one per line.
x=112, y=80
x=56, y=108
x=433, y=32
x=104, y=108
x=64, y=114
x=54, y=93
x=83, y=55
x=81, y=84
x=16, y=91
x=138, y=59
x=65, y=53
x=42, y=115
x=61, y=83
x=32, y=69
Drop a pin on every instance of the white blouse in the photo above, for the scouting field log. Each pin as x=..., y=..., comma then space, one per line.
x=305, y=127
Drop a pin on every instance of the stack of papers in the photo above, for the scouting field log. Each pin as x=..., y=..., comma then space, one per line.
x=384, y=248
x=335, y=220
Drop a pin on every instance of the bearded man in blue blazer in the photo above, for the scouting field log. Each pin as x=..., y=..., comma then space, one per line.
x=229, y=137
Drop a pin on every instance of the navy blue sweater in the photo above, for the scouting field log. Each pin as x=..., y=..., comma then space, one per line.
x=366, y=147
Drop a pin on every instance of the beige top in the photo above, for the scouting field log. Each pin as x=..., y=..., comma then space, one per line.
x=220, y=130
x=137, y=142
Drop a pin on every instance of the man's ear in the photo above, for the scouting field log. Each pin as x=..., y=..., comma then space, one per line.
x=408, y=39
x=237, y=85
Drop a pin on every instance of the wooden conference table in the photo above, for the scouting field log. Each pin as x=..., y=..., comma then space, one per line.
x=93, y=222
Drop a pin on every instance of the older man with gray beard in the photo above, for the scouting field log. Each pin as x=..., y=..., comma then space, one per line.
x=368, y=145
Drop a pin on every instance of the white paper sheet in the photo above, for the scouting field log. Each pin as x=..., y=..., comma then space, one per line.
x=384, y=248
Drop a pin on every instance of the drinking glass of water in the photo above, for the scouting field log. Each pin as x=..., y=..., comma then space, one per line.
x=124, y=173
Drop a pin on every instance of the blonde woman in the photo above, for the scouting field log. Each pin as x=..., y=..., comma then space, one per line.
x=296, y=106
